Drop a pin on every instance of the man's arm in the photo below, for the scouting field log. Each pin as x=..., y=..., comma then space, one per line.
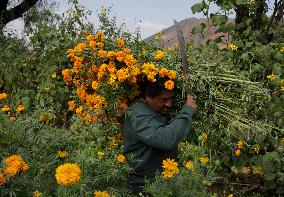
x=153, y=133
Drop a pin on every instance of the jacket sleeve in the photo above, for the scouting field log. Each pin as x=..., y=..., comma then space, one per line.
x=152, y=132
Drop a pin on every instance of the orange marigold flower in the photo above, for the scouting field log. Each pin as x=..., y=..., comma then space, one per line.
x=240, y=144
x=20, y=108
x=159, y=55
x=122, y=74
x=121, y=158
x=169, y=85
x=189, y=165
x=3, y=96
x=172, y=74
x=238, y=152
x=120, y=42
x=67, y=174
x=170, y=164
x=37, y=194
x=66, y=73
x=71, y=105
x=62, y=154
x=95, y=85
x=2, y=178
x=163, y=72
x=13, y=118
x=6, y=108
x=101, y=194
x=204, y=160
x=15, y=164
x=102, y=53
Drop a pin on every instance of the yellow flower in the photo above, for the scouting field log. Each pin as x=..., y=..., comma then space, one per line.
x=14, y=165
x=203, y=137
x=230, y=195
x=37, y=194
x=3, y=96
x=282, y=49
x=282, y=88
x=163, y=72
x=95, y=85
x=2, y=178
x=170, y=164
x=121, y=158
x=71, y=105
x=67, y=76
x=240, y=144
x=233, y=47
x=189, y=165
x=159, y=55
x=20, y=108
x=122, y=74
x=120, y=42
x=167, y=174
x=13, y=118
x=204, y=160
x=234, y=169
x=67, y=174
x=238, y=152
x=62, y=154
x=169, y=85
x=53, y=76
x=101, y=194
x=100, y=154
x=245, y=170
x=257, y=170
x=271, y=77
x=255, y=148
x=6, y=108
x=172, y=74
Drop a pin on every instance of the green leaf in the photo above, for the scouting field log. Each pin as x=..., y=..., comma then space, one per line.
x=218, y=19
x=226, y=27
x=239, y=2
x=198, y=7
x=198, y=28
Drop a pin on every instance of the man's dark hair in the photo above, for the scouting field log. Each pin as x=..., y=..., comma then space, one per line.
x=152, y=89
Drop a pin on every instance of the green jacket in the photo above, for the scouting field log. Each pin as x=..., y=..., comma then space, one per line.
x=150, y=139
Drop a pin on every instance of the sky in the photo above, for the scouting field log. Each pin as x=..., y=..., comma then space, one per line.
x=151, y=16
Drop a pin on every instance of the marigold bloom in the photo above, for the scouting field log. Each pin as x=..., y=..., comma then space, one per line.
x=240, y=144
x=20, y=108
x=189, y=165
x=67, y=174
x=172, y=74
x=203, y=137
x=13, y=118
x=66, y=73
x=170, y=164
x=121, y=158
x=101, y=194
x=168, y=174
x=62, y=154
x=233, y=47
x=257, y=170
x=2, y=178
x=15, y=164
x=71, y=105
x=122, y=74
x=169, y=85
x=53, y=76
x=95, y=85
x=163, y=72
x=120, y=42
x=159, y=55
x=256, y=148
x=271, y=77
x=238, y=152
x=37, y=194
x=282, y=49
x=204, y=160
x=6, y=108
x=3, y=96
x=100, y=154
x=230, y=195
x=245, y=170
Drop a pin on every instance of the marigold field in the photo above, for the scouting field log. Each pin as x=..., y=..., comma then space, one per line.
x=65, y=89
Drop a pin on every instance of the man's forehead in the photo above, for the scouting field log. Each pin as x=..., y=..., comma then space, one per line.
x=166, y=94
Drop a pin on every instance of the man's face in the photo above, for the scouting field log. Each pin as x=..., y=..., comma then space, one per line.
x=162, y=103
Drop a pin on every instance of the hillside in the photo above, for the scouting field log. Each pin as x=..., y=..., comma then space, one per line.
x=170, y=37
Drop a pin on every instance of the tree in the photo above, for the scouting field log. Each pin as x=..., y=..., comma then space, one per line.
x=7, y=15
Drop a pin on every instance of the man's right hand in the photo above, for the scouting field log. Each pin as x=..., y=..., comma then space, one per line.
x=191, y=101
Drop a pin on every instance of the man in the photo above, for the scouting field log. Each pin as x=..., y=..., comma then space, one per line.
x=149, y=136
